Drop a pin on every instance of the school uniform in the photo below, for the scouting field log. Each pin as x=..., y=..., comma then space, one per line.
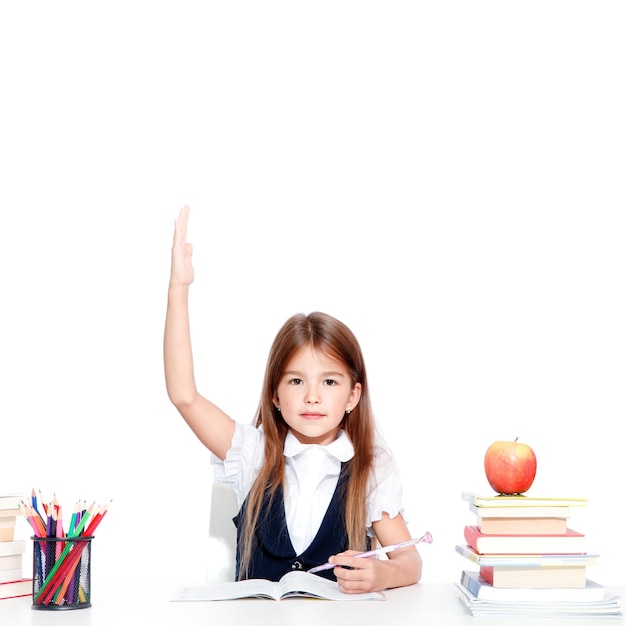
x=305, y=524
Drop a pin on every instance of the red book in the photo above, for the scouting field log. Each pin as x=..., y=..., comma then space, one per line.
x=571, y=542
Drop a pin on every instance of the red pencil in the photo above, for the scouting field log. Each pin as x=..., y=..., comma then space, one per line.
x=43, y=503
x=66, y=569
x=97, y=518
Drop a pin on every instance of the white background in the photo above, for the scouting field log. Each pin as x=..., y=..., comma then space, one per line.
x=445, y=177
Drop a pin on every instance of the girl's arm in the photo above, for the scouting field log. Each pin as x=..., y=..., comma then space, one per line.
x=402, y=567
x=211, y=425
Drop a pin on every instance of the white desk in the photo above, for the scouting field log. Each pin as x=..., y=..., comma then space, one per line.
x=422, y=604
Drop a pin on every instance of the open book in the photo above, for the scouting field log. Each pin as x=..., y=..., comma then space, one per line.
x=291, y=585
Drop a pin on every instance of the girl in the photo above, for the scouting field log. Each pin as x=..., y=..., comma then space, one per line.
x=314, y=481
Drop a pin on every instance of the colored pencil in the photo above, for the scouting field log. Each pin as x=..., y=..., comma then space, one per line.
x=68, y=573
x=73, y=519
x=43, y=503
x=58, y=512
x=51, y=574
x=95, y=521
x=34, y=520
x=35, y=506
x=63, y=562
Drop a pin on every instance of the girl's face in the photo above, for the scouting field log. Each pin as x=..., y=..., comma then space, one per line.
x=313, y=395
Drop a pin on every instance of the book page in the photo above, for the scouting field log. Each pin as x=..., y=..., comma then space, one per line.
x=300, y=583
x=253, y=588
x=292, y=584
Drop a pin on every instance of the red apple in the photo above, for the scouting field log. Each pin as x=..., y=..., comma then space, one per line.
x=510, y=466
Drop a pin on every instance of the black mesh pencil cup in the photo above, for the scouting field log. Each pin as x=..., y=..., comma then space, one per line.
x=61, y=573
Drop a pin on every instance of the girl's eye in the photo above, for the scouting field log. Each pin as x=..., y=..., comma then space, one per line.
x=295, y=381
x=330, y=382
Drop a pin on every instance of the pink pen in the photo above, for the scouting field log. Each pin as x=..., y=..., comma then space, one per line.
x=426, y=538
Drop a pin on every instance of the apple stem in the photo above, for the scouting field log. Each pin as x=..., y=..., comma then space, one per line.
x=516, y=438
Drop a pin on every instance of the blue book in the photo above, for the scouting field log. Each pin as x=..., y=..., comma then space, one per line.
x=482, y=590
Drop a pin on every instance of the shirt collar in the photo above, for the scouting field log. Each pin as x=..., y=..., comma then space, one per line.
x=341, y=448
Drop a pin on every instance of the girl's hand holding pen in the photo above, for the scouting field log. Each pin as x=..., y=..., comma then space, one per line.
x=356, y=575
x=357, y=572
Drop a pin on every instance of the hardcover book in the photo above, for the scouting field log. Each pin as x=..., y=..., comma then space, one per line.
x=522, y=525
x=481, y=589
x=7, y=527
x=9, y=575
x=572, y=542
x=17, y=546
x=527, y=560
x=16, y=588
x=11, y=500
x=10, y=561
x=535, y=576
x=520, y=511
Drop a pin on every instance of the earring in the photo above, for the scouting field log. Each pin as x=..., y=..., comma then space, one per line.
x=278, y=408
x=348, y=411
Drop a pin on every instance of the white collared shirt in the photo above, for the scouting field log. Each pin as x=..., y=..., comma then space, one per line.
x=312, y=472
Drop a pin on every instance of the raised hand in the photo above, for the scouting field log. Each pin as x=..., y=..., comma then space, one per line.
x=182, y=267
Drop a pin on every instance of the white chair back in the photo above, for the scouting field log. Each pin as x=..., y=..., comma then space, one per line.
x=222, y=534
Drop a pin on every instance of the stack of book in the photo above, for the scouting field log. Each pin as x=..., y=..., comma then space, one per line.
x=12, y=581
x=528, y=560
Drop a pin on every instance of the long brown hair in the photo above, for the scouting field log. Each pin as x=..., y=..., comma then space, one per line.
x=333, y=338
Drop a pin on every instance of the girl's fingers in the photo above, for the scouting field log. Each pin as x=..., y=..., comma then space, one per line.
x=180, y=231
